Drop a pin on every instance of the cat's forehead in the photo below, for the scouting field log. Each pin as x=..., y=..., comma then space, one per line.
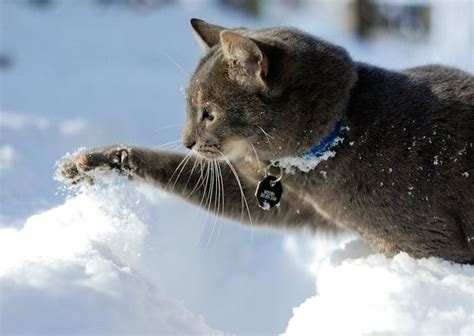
x=208, y=76
x=194, y=94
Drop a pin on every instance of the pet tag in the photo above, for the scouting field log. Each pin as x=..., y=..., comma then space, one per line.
x=269, y=192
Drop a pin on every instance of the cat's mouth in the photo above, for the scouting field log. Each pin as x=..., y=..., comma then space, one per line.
x=228, y=150
x=208, y=153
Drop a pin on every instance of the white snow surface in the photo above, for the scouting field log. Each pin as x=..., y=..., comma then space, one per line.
x=122, y=258
x=382, y=296
x=73, y=270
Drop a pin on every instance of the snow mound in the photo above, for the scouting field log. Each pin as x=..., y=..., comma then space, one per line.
x=75, y=269
x=381, y=296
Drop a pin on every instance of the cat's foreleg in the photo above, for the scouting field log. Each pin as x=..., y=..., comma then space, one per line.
x=216, y=186
x=160, y=168
x=212, y=185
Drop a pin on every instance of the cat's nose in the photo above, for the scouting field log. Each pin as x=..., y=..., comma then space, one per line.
x=190, y=144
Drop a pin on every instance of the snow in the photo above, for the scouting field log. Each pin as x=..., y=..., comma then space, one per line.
x=375, y=295
x=81, y=258
x=121, y=258
x=382, y=296
x=310, y=160
x=303, y=163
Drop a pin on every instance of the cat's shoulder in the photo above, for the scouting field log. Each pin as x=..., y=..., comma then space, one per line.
x=442, y=75
x=438, y=70
x=449, y=84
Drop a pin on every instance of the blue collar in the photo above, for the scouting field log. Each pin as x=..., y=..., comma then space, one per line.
x=329, y=141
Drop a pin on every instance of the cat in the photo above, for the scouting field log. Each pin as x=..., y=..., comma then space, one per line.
x=332, y=144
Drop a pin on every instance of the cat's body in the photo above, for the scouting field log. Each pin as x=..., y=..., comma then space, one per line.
x=402, y=177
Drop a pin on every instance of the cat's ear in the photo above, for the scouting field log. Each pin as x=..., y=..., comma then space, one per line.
x=207, y=34
x=248, y=64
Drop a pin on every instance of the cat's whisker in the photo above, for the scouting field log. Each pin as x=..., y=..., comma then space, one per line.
x=180, y=68
x=200, y=180
x=175, y=147
x=241, y=198
x=214, y=190
x=267, y=136
x=205, y=183
x=189, y=155
x=223, y=204
x=190, y=175
x=216, y=203
x=209, y=200
x=205, y=196
x=242, y=194
x=171, y=126
x=220, y=205
x=186, y=157
x=167, y=144
x=256, y=156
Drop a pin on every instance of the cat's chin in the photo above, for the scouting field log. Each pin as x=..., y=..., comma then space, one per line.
x=236, y=149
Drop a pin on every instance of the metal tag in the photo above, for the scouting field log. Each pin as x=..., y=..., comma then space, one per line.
x=269, y=192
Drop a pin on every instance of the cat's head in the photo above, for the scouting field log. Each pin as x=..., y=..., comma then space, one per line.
x=269, y=93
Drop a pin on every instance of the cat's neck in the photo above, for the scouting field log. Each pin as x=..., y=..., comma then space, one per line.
x=329, y=141
x=321, y=151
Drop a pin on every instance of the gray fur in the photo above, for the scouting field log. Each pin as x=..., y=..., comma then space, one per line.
x=402, y=178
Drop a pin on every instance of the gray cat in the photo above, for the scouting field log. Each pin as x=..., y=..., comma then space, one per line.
x=332, y=144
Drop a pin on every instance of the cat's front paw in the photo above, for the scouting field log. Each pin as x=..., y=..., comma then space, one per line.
x=78, y=167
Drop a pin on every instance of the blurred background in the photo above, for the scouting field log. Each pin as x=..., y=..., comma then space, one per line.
x=88, y=73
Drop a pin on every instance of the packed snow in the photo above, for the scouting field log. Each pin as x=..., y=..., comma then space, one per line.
x=321, y=152
x=303, y=163
x=122, y=258
x=74, y=269
x=376, y=295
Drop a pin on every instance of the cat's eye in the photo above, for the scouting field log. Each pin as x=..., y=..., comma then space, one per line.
x=208, y=113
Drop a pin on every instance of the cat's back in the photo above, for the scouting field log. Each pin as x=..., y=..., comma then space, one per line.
x=431, y=96
x=442, y=75
x=414, y=130
x=424, y=113
x=453, y=98
x=452, y=105
x=447, y=83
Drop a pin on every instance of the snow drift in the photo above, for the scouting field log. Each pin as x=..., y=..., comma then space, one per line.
x=376, y=295
x=79, y=261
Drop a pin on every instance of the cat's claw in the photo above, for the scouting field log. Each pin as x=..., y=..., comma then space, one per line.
x=70, y=171
x=77, y=168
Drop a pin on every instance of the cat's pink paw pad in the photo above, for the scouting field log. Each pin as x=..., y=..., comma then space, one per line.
x=83, y=163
